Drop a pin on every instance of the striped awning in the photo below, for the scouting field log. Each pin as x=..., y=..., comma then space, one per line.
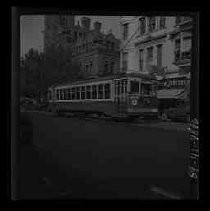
x=169, y=93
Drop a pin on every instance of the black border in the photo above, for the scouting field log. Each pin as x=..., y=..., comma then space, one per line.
x=16, y=12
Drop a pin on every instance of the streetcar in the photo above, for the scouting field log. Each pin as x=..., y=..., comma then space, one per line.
x=126, y=95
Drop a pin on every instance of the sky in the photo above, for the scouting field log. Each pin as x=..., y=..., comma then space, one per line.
x=31, y=27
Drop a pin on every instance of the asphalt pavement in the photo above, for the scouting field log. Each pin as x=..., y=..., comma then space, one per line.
x=75, y=158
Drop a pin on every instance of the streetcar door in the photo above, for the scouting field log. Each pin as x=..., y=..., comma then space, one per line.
x=134, y=90
x=121, y=94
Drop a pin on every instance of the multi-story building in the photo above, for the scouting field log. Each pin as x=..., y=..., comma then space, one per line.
x=58, y=30
x=148, y=42
x=95, y=52
x=159, y=44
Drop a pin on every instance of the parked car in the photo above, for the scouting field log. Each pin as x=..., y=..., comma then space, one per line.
x=179, y=112
x=27, y=103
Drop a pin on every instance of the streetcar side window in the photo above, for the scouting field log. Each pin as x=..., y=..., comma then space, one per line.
x=94, y=92
x=69, y=94
x=134, y=86
x=82, y=92
x=60, y=97
x=88, y=94
x=78, y=93
x=63, y=91
x=100, y=91
x=65, y=94
x=107, y=91
x=61, y=94
x=57, y=94
x=73, y=93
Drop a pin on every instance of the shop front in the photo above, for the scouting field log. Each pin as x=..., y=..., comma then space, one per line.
x=173, y=96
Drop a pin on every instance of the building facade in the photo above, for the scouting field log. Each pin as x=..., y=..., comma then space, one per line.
x=163, y=42
x=96, y=53
x=161, y=46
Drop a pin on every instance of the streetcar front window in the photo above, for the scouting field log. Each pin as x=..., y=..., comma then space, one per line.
x=134, y=86
x=146, y=89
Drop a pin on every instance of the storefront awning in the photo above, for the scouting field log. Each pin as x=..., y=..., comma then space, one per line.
x=170, y=93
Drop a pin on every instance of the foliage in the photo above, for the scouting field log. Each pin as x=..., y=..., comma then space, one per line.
x=38, y=71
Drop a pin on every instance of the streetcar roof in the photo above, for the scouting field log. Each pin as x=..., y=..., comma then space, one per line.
x=105, y=78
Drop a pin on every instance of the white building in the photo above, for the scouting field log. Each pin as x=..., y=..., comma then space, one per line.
x=148, y=42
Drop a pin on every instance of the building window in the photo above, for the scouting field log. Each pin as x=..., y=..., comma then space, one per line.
x=112, y=46
x=125, y=31
x=91, y=66
x=186, y=18
x=150, y=54
x=125, y=61
x=112, y=67
x=75, y=36
x=141, y=59
x=152, y=24
x=177, y=49
x=63, y=20
x=107, y=44
x=83, y=48
x=87, y=68
x=178, y=20
x=162, y=22
x=142, y=26
x=106, y=67
x=181, y=19
x=159, y=55
x=186, y=48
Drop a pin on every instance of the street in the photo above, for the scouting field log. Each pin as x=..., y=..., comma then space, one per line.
x=75, y=158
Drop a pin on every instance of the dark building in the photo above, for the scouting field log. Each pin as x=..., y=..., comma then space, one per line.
x=95, y=52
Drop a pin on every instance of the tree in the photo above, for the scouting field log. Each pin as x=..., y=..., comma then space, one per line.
x=39, y=70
